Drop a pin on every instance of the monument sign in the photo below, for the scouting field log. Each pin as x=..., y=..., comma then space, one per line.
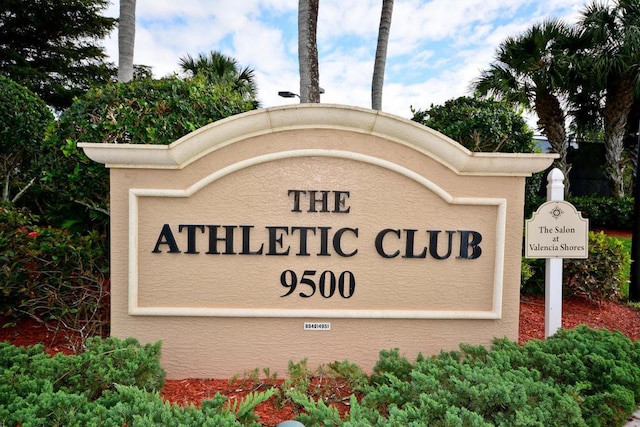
x=318, y=231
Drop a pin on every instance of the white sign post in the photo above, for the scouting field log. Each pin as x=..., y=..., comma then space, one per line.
x=555, y=231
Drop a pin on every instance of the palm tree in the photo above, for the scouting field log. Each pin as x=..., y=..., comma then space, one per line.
x=381, y=55
x=218, y=68
x=308, y=51
x=530, y=71
x=611, y=65
x=126, y=39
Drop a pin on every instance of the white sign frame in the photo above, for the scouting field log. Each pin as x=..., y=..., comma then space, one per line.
x=557, y=230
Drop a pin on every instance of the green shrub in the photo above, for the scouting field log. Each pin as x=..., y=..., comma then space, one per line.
x=532, y=276
x=299, y=389
x=600, y=368
x=349, y=371
x=531, y=203
x=390, y=364
x=468, y=387
x=579, y=377
x=148, y=111
x=480, y=125
x=52, y=275
x=606, y=212
x=113, y=383
x=104, y=363
x=600, y=276
x=114, y=361
x=143, y=111
x=532, y=188
x=124, y=406
x=602, y=212
x=318, y=412
x=24, y=117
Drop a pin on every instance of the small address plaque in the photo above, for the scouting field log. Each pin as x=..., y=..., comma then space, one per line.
x=316, y=326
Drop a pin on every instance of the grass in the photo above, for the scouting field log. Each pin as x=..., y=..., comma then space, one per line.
x=624, y=288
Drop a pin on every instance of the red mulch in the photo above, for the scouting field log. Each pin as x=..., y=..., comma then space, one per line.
x=577, y=311
x=609, y=315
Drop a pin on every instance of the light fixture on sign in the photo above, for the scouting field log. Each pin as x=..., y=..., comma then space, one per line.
x=289, y=94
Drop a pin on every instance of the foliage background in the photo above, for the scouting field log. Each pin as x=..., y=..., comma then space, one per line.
x=480, y=125
x=74, y=190
x=53, y=47
x=24, y=118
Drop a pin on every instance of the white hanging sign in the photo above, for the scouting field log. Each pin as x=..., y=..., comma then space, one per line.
x=557, y=230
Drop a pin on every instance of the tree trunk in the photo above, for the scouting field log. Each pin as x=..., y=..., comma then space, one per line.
x=551, y=121
x=619, y=100
x=308, y=51
x=381, y=54
x=126, y=39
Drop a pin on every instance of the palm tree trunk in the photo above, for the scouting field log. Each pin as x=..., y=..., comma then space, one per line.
x=308, y=51
x=381, y=54
x=618, y=104
x=551, y=121
x=126, y=39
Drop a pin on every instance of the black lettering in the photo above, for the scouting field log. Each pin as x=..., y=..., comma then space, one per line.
x=336, y=242
x=274, y=239
x=379, y=241
x=341, y=202
x=191, y=236
x=214, y=239
x=166, y=238
x=323, y=200
x=303, y=238
x=409, y=246
x=246, y=242
x=473, y=244
x=324, y=241
x=296, y=199
x=433, y=244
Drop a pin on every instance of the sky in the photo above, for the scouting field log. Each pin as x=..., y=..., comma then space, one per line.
x=436, y=47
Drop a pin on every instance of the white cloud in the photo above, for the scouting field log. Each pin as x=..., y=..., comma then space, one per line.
x=436, y=47
x=360, y=19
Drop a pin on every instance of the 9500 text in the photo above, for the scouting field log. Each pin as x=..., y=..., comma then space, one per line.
x=326, y=285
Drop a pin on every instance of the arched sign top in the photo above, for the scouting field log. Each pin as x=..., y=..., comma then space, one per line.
x=222, y=133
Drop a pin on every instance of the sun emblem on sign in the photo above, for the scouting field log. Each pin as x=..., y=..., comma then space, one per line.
x=556, y=212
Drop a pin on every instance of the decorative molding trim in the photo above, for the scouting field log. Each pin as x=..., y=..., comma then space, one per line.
x=136, y=193
x=236, y=128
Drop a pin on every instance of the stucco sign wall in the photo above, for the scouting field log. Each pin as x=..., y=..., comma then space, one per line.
x=317, y=231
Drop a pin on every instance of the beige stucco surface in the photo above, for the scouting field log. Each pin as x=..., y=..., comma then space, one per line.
x=222, y=314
